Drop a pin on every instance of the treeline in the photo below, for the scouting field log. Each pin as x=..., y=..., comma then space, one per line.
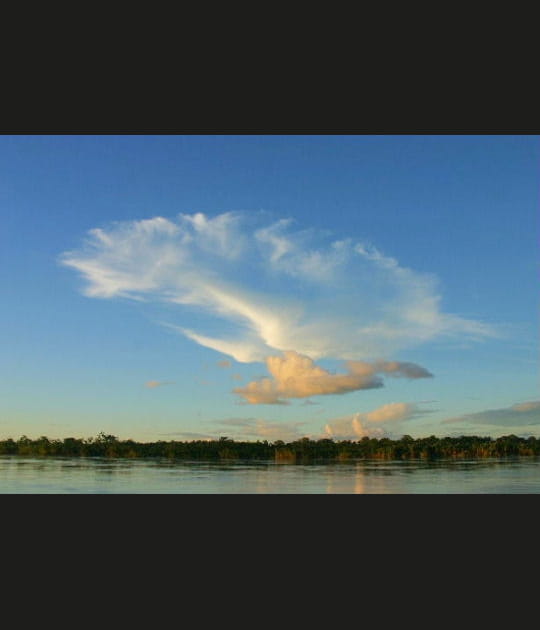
x=305, y=449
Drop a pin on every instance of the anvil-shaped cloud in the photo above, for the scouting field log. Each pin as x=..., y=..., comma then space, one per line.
x=279, y=288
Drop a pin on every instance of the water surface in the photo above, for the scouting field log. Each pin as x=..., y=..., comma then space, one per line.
x=95, y=475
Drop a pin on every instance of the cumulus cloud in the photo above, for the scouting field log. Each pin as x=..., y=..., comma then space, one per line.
x=377, y=423
x=520, y=414
x=273, y=286
x=152, y=384
x=297, y=376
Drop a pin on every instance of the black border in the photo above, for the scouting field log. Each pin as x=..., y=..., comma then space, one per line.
x=226, y=130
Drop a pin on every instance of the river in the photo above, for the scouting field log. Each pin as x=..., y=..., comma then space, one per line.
x=87, y=475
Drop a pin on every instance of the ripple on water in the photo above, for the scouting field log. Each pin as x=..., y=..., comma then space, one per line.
x=20, y=475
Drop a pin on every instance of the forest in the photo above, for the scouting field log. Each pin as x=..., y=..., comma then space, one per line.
x=301, y=451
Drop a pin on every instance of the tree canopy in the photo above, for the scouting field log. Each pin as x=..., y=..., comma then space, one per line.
x=304, y=449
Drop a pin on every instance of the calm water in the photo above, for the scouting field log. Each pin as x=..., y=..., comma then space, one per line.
x=61, y=475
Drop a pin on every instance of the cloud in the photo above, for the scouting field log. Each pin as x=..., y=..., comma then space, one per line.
x=220, y=236
x=242, y=350
x=272, y=286
x=520, y=414
x=152, y=384
x=400, y=369
x=278, y=244
x=390, y=413
x=377, y=423
x=246, y=429
x=189, y=435
x=256, y=428
x=224, y=364
x=297, y=376
x=526, y=406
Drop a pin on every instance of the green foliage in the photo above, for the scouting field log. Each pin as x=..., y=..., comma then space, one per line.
x=305, y=449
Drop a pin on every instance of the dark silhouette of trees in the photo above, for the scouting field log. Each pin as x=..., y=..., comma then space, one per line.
x=302, y=450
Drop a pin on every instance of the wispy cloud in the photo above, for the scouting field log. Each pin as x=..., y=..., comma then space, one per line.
x=279, y=287
x=383, y=421
x=224, y=364
x=188, y=436
x=248, y=429
x=297, y=376
x=520, y=414
x=257, y=428
x=152, y=384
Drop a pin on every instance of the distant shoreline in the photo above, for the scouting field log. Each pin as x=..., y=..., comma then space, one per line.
x=305, y=449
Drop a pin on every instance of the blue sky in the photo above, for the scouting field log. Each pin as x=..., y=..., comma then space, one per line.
x=269, y=287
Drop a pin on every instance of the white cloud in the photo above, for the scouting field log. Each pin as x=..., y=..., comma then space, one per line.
x=219, y=236
x=279, y=288
x=277, y=244
x=242, y=350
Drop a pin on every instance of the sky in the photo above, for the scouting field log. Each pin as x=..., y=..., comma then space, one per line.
x=269, y=287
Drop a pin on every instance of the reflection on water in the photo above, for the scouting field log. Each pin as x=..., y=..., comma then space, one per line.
x=94, y=475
